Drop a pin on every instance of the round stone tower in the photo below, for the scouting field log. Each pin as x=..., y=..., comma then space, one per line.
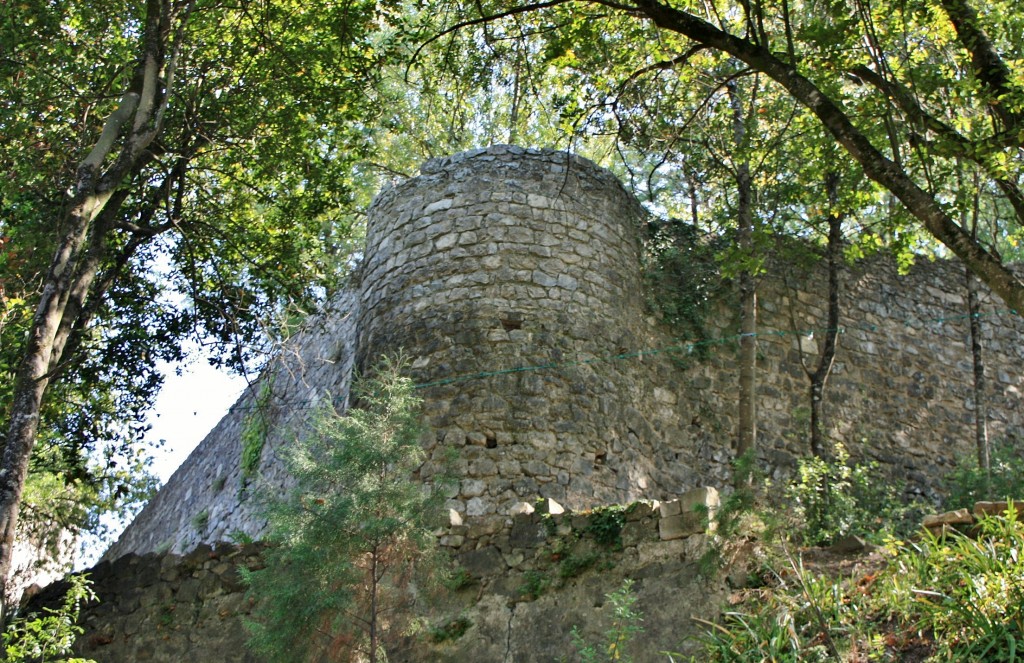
x=511, y=279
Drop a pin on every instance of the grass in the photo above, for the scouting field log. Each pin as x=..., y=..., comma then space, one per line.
x=956, y=597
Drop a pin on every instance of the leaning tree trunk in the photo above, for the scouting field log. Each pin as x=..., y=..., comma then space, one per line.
x=91, y=205
x=819, y=376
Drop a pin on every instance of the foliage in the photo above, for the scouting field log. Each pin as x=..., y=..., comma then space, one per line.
x=605, y=525
x=534, y=584
x=681, y=275
x=352, y=535
x=235, y=213
x=969, y=483
x=200, y=521
x=624, y=628
x=969, y=591
x=453, y=629
x=950, y=598
x=573, y=565
x=255, y=428
x=835, y=498
x=458, y=578
x=49, y=637
x=914, y=95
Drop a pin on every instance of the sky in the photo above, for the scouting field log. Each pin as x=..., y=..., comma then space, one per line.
x=189, y=405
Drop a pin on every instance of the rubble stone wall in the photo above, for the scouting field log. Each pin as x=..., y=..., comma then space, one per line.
x=512, y=281
x=521, y=586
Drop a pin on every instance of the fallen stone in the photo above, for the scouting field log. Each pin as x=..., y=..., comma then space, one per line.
x=993, y=508
x=958, y=517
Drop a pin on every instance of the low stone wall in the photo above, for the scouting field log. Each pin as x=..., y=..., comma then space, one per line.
x=526, y=581
x=166, y=608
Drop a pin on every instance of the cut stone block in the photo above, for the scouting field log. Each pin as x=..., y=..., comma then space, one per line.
x=993, y=508
x=958, y=517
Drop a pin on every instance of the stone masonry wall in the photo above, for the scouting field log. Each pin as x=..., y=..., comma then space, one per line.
x=511, y=280
x=209, y=498
x=523, y=584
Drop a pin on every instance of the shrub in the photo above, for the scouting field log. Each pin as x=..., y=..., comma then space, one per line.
x=836, y=498
x=352, y=535
x=968, y=483
x=49, y=637
x=624, y=627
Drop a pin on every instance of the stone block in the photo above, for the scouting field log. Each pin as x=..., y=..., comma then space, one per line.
x=957, y=517
x=520, y=508
x=527, y=532
x=483, y=562
x=992, y=508
x=680, y=526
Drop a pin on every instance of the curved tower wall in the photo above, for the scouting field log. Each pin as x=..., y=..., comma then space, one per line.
x=506, y=259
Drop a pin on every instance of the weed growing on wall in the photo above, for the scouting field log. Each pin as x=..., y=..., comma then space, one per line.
x=49, y=636
x=621, y=632
x=354, y=534
x=255, y=429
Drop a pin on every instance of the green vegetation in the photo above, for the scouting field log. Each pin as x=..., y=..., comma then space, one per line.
x=49, y=637
x=835, y=498
x=458, y=578
x=624, y=628
x=534, y=584
x=354, y=533
x=453, y=629
x=681, y=274
x=957, y=597
x=255, y=429
x=969, y=483
x=200, y=521
x=605, y=525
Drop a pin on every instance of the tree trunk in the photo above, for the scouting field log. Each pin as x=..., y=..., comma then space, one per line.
x=746, y=428
x=92, y=203
x=827, y=358
x=980, y=403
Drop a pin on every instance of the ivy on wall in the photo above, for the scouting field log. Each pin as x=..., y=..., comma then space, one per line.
x=254, y=431
x=681, y=273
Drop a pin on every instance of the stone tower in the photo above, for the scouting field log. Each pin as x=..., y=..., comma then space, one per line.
x=511, y=279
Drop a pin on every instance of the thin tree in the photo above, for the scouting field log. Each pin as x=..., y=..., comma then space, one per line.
x=746, y=425
x=352, y=535
x=826, y=358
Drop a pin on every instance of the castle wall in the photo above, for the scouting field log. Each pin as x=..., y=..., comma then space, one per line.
x=209, y=498
x=511, y=280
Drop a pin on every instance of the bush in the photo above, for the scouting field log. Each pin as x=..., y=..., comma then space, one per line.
x=49, y=637
x=968, y=483
x=624, y=627
x=835, y=498
x=352, y=535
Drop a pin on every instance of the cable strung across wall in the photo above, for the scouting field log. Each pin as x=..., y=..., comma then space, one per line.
x=685, y=348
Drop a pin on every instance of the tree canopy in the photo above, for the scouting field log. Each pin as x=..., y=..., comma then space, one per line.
x=173, y=169
x=193, y=169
